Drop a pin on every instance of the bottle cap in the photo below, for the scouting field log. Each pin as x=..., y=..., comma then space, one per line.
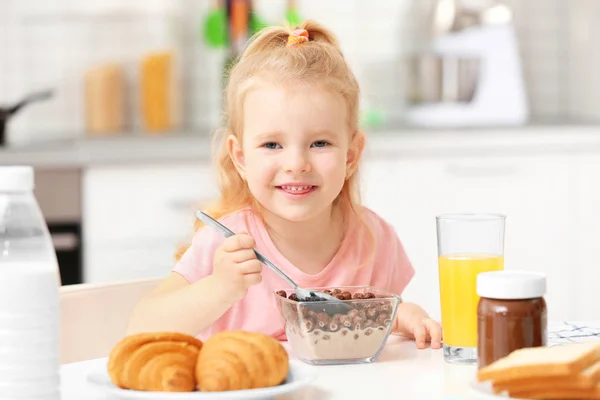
x=511, y=285
x=16, y=178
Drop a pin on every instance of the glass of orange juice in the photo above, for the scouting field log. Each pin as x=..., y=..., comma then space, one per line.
x=467, y=245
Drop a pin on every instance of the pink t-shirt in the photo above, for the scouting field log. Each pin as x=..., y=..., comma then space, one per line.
x=387, y=268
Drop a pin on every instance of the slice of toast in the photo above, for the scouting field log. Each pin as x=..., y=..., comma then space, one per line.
x=557, y=361
x=556, y=393
x=586, y=379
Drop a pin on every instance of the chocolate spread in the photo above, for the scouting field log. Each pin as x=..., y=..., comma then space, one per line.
x=507, y=325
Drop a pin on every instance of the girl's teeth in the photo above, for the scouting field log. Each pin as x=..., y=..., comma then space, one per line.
x=296, y=188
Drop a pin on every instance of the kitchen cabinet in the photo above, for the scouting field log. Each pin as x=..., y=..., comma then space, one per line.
x=403, y=193
x=135, y=216
x=586, y=236
x=129, y=260
x=533, y=191
x=144, y=201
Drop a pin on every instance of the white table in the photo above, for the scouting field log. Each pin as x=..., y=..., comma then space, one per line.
x=402, y=371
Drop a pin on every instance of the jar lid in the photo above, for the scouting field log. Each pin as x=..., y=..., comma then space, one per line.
x=16, y=178
x=511, y=285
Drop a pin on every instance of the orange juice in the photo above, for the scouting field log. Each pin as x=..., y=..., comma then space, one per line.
x=458, y=296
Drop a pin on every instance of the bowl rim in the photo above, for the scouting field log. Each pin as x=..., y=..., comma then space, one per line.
x=321, y=288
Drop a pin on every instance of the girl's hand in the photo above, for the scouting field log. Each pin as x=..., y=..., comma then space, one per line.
x=236, y=266
x=414, y=322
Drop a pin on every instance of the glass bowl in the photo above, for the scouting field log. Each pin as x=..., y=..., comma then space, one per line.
x=320, y=336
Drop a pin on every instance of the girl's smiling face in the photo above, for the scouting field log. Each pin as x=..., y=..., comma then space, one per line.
x=296, y=149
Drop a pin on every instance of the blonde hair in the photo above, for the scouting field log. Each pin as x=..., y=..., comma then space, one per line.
x=317, y=61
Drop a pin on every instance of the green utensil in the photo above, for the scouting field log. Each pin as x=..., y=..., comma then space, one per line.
x=372, y=118
x=215, y=26
x=256, y=23
x=292, y=16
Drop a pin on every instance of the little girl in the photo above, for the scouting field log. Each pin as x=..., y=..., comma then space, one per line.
x=288, y=161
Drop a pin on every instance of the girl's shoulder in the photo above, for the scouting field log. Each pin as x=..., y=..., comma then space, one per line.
x=375, y=222
x=239, y=217
x=197, y=260
x=241, y=220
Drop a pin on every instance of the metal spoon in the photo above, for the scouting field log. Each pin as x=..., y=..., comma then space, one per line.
x=303, y=294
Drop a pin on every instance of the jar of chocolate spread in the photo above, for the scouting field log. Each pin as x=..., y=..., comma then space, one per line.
x=511, y=313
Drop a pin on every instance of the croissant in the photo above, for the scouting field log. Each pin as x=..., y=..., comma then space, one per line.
x=237, y=360
x=161, y=361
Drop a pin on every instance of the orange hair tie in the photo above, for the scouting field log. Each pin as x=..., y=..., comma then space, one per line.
x=297, y=36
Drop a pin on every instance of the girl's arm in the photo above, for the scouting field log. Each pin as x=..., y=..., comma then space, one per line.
x=178, y=306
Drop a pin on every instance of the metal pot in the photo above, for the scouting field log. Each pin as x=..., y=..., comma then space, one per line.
x=433, y=78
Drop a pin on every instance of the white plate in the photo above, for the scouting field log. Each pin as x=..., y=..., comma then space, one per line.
x=300, y=374
x=484, y=391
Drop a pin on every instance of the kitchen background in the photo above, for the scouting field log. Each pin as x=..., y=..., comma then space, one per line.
x=470, y=105
x=58, y=44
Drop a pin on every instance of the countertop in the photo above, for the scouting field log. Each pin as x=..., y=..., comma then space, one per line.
x=186, y=147
x=402, y=371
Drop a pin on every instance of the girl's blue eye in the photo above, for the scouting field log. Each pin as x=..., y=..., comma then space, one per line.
x=320, y=143
x=271, y=145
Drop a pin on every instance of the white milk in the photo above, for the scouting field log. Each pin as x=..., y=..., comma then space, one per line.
x=29, y=294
